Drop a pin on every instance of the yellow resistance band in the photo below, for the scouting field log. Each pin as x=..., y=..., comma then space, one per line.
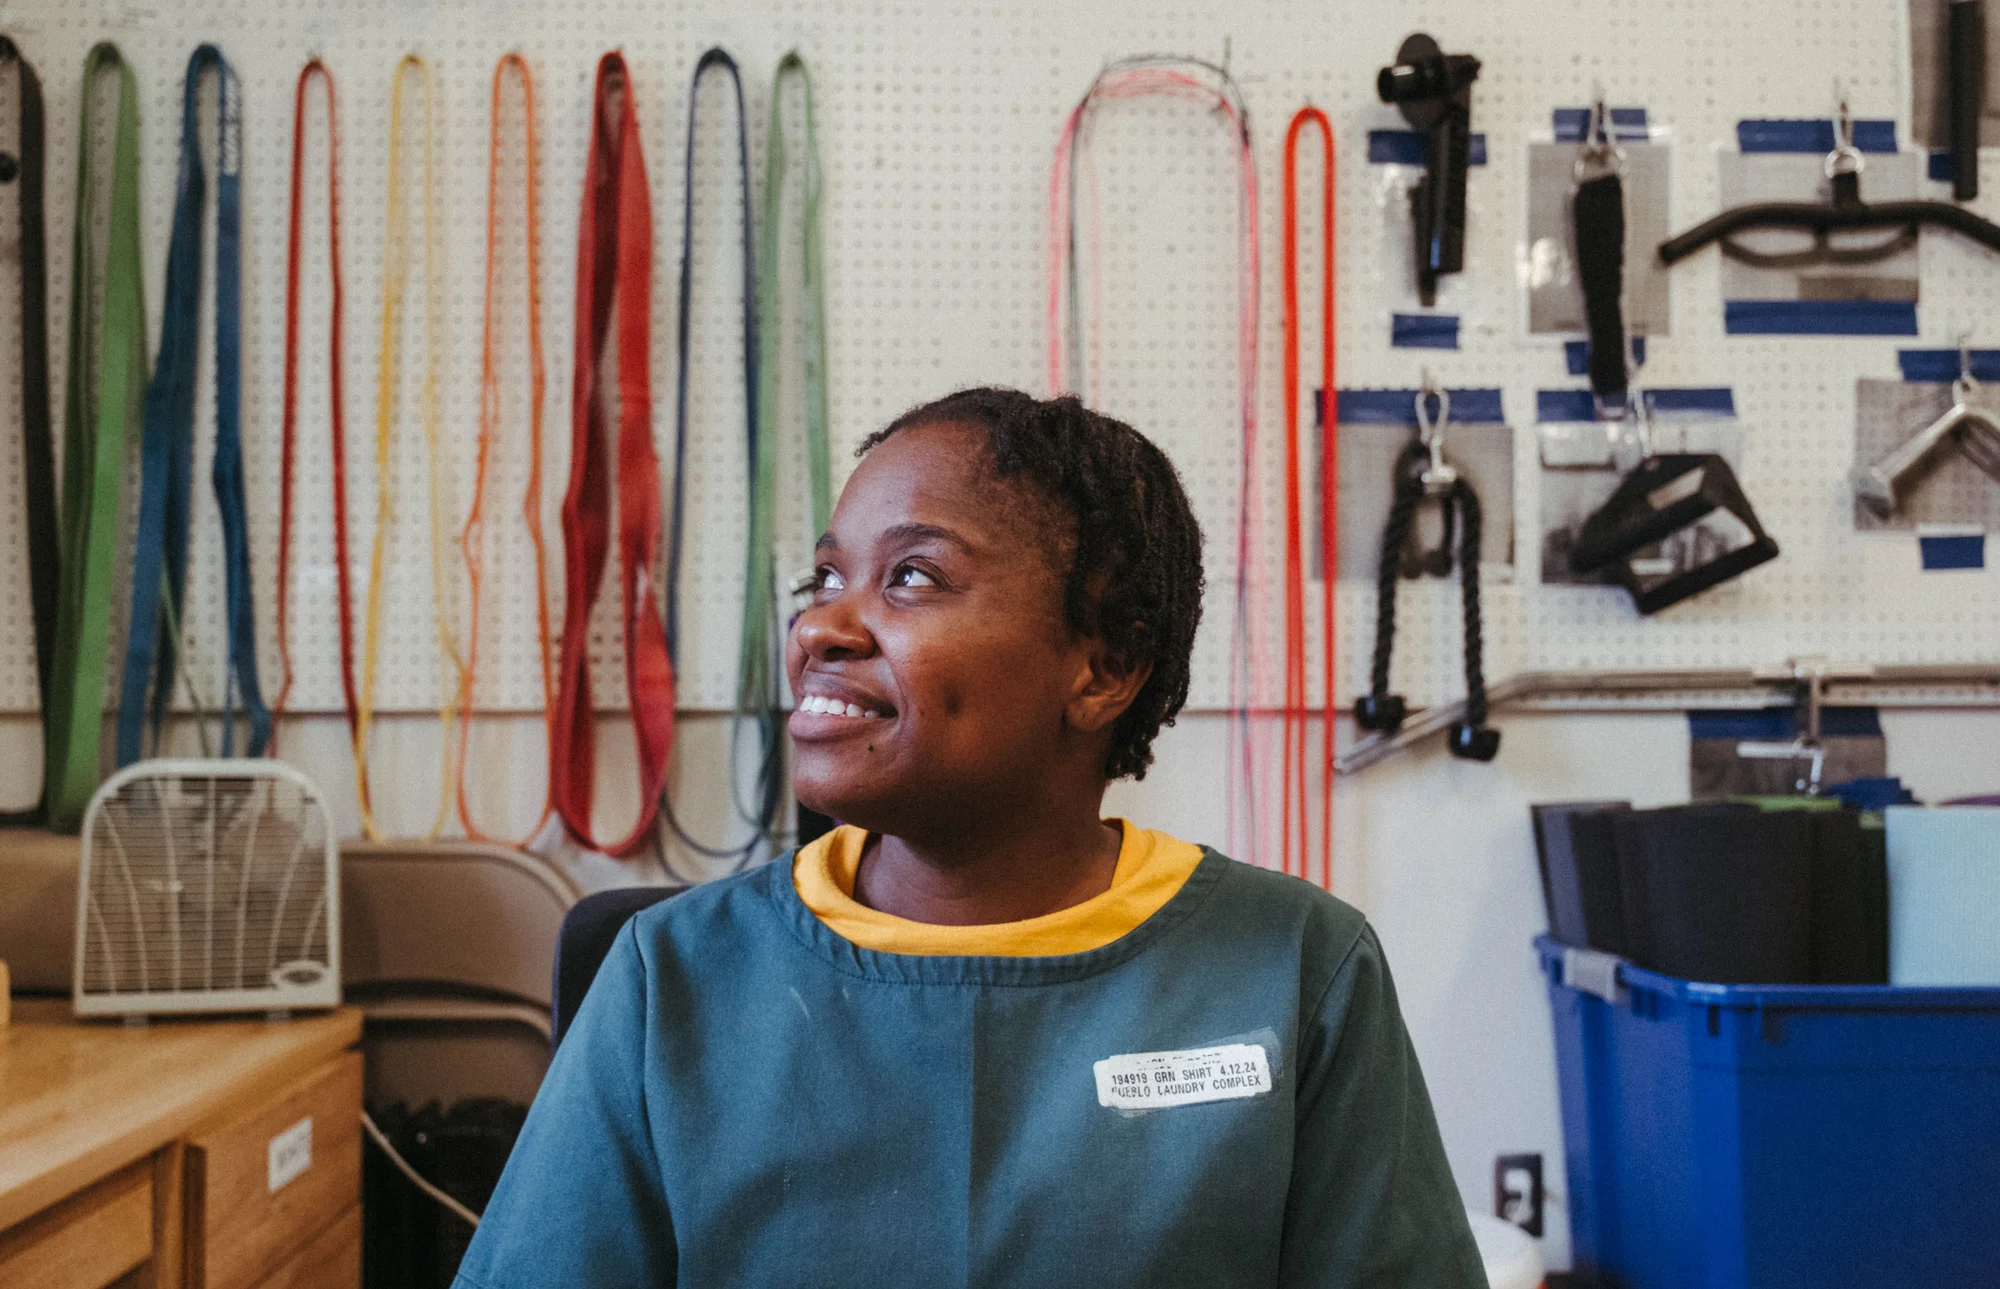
x=395, y=276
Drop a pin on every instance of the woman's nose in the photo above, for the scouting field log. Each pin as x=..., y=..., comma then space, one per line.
x=832, y=629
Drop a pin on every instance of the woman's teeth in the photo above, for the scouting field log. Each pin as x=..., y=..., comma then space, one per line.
x=823, y=706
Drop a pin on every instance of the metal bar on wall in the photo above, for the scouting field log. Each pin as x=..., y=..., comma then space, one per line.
x=1530, y=686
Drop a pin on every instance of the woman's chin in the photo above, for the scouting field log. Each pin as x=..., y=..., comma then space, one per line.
x=829, y=790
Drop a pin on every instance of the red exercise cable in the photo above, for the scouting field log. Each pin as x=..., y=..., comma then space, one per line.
x=336, y=428
x=1297, y=790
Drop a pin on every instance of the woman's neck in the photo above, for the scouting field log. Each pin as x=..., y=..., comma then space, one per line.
x=1042, y=864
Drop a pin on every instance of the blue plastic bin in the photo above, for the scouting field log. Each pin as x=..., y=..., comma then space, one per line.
x=1769, y=1136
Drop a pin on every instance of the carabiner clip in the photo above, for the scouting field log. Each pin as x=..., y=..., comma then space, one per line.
x=1599, y=155
x=1845, y=159
x=1440, y=476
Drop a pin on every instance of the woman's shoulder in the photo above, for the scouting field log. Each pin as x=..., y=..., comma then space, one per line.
x=1299, y=918
x=727, y=909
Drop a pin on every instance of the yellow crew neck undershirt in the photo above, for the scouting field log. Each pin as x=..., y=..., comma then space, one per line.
x=1152, y=867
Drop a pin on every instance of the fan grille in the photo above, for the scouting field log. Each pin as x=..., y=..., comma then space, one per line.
x=208, y=889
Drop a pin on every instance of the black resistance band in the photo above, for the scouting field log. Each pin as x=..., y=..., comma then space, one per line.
x=21, y=170
x=768, y=777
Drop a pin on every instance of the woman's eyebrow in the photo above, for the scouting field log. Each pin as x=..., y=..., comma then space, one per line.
x=907, y=534
x=901, y=535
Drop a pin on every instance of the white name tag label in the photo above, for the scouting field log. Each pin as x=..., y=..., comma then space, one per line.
x=1157, y=1080
x=291, y=1153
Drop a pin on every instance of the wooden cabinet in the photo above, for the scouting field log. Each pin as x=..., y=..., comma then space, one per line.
x=331, y=1261
x=264, y=1184
x=181, y=1154
x=86, y=1241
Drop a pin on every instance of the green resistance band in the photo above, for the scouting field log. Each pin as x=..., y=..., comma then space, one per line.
x=813, y=284
x=757, y=689
x=105, y=391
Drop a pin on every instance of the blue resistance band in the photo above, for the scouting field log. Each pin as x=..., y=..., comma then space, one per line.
x=159, y=561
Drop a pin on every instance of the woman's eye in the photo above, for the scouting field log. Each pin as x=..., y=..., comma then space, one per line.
x=911, y=575
x=827, y=579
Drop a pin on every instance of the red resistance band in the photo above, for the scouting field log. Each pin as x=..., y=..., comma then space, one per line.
x=336, y=426
x=614, y=257
x=1195, y=81
x=1297, y=792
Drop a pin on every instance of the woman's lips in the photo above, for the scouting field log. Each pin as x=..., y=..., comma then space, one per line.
x=831, y=705
x=829, y=711
x=814, y=725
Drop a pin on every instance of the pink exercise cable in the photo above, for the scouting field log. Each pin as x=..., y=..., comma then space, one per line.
x=1195, y=81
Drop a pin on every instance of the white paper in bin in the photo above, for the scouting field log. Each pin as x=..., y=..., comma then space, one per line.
x=1944, y=895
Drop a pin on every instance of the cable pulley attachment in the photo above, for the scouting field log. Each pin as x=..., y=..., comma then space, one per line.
x=1423, y=473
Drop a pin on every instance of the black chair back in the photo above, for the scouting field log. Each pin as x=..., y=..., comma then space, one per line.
x=588, y=931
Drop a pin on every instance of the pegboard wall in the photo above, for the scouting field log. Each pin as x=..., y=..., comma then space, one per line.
x=937, y=123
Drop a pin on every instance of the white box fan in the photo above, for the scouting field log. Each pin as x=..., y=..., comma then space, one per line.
x=207, y=886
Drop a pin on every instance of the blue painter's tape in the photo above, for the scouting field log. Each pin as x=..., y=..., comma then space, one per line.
x=1399, y=406
x=1940, y=366
x=1560, y=405
x=1846, y=722
x=1941, y=167
x=1954, y=551
x=1782, y=723
x=1820, y=317
x=1396, y=148
x=1811, y=136
x=1875, y=136
x=1576, y=353
x=1628, y=124
x=1713, y=402
x=1411, y=147
x=1423, y=331
x=1872, y=792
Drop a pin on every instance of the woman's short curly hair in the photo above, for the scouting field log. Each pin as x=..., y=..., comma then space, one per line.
x=1134, y=573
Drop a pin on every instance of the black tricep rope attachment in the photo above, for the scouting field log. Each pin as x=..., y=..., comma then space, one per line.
x=1421, y=473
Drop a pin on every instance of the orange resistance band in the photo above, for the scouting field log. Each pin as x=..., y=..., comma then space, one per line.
x=471, y=539
x=1297, y=792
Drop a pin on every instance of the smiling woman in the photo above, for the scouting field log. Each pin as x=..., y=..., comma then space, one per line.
x=941, y=602
x=999, y=1039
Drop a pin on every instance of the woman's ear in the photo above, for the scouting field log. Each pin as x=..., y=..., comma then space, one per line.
x=1106, y=684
